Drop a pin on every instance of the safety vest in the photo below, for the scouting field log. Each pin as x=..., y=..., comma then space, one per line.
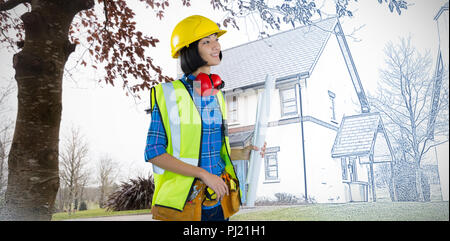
x=183, y=126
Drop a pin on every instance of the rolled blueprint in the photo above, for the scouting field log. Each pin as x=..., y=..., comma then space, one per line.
x=262, y=119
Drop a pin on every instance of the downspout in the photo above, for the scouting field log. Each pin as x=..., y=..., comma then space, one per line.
x=303, y=137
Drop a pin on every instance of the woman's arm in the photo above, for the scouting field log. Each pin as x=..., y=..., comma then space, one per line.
x=244, y=154
x=170, y=163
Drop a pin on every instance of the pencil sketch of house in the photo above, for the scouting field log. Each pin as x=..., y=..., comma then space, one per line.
x=362, y=143
x=317, y=84
x=441, y=153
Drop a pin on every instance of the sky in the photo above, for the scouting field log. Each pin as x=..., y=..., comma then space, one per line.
x=117, y=125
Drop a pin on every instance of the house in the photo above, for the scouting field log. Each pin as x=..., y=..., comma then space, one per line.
x=317, y=84
x=361, y=143
x=440, y=153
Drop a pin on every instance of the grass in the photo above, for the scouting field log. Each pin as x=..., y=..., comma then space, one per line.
x=98, y=212
x=380, y=211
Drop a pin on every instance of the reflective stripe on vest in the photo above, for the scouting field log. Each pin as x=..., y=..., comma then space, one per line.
x=174, y=123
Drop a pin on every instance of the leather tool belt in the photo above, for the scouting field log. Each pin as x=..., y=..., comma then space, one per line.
x=202, y=195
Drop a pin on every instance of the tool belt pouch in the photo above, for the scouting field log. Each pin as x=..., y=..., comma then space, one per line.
x=192, y=210
x=231, y=203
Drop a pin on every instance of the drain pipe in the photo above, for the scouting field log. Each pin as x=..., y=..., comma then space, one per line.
x=303, y=137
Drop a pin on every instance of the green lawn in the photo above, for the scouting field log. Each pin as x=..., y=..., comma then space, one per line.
x=99, y=212
x=381, y=211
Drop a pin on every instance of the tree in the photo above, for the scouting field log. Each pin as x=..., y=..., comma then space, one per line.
x=47, y=35
x=107, y=173
x=404, y=99
x=6, y=127
x=49, y=39
x=73, y=160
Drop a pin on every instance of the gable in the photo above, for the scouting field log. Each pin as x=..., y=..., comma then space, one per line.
x=362, y=135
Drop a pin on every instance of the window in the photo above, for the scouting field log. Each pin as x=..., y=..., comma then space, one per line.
x=332, y=95
x=233, y=109
x=344, y=169
x=288, y=102
x=348, y=166
x=271, y=166
x=352, y=169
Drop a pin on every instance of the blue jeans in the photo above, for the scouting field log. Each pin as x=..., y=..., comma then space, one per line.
x=213, y=214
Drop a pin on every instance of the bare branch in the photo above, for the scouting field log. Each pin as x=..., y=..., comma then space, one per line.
x=12, y=4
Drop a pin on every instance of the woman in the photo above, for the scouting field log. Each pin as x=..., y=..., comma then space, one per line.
x=187, y=141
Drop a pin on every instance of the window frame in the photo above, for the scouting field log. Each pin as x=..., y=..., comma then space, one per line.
x=271, y=155
x=332, y=98
x=233, y=112
x=292, y=100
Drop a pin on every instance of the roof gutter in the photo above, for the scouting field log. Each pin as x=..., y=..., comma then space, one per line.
x=299, y=77
x=278, y=81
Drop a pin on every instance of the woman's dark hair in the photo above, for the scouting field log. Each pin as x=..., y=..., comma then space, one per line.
x=190, y=59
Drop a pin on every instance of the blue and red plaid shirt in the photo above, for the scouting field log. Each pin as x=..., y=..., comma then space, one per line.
x=211, y=128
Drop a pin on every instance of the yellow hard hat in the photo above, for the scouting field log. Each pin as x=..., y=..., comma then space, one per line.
x=190, y=30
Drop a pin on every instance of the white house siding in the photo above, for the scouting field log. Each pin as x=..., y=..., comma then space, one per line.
x=290, y=165
x=330, y=74
x=441, y=152
x=324, y=178
x=443, y=28
x=324, y=174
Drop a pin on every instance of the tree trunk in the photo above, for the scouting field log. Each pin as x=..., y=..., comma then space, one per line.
x=419, y=183
x=33, y=178
x=101, y=201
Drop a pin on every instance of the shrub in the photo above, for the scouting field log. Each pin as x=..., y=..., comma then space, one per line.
x=283, y=199
x=83, y=206
x=132, y=195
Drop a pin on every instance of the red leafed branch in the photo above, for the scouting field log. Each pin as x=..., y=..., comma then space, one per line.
x=116, y=43
x=11, y=28
x=113, y=40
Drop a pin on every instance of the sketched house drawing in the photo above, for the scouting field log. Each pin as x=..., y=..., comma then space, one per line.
x=317, y=84
x=360, y=143
x=440, y=153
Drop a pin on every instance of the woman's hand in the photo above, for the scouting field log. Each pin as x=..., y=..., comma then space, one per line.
x=255, y=148
x=244, y=154
x=215, y=183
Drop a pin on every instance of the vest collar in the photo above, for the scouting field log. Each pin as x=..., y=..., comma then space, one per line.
x=188, y=78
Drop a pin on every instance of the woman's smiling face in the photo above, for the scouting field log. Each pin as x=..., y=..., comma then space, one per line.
x=209, y=49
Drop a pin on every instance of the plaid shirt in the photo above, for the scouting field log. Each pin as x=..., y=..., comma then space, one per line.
x=211, y=128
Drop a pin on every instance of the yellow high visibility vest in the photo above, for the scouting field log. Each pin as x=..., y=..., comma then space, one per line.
x=183, y=126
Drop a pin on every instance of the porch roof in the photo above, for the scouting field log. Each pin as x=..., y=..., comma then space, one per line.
x=357, y=134
x=240, y=139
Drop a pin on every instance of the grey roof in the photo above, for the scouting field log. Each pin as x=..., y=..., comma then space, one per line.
x=240, y=139
x=356, y=135
x=284, y=54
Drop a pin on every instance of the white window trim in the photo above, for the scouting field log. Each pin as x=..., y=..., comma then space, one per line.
x=233, y=122
x=277, y=165
x=332, y=98
x=288, y=115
